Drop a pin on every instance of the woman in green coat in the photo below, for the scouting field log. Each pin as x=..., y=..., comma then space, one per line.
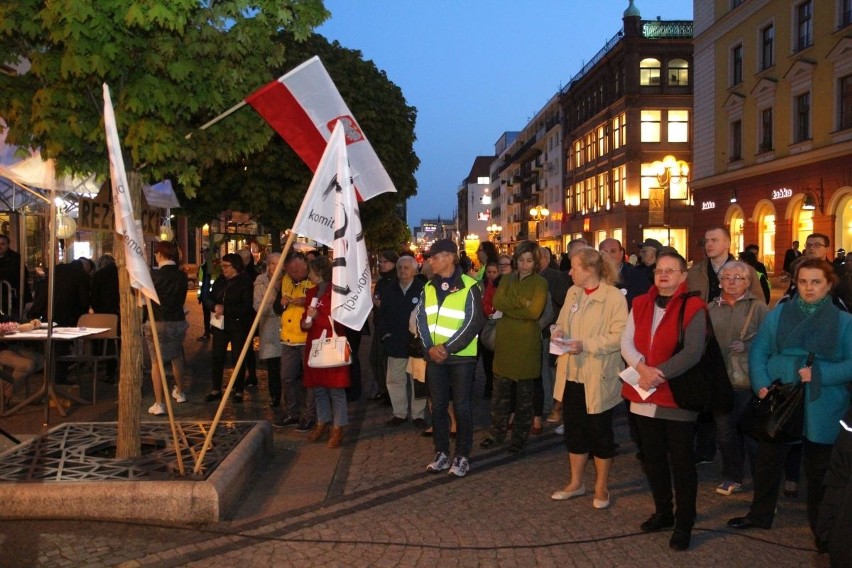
x=521, y=297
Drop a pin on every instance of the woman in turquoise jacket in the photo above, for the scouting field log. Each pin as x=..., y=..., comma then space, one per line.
x=808, y=324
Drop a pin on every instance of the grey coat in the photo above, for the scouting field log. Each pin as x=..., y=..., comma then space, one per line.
x=269, y=327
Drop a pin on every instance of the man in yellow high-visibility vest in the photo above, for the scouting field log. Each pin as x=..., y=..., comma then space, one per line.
x=449, y=318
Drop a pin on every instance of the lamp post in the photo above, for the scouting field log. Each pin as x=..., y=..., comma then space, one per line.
x=538, y=214
x=667, y=170
x=494, y=231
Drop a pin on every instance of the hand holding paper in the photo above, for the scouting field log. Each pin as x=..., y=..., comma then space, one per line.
x=631, y=377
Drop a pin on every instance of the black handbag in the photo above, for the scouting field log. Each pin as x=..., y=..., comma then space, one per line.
x=780, y=415
x=706, y=385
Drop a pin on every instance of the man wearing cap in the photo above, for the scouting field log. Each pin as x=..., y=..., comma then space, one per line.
x=449, y=318
x=648, y=251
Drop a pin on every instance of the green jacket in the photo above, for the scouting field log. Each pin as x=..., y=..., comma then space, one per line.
x=517, y=350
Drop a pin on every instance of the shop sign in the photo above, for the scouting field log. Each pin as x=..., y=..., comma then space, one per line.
x=97, y=214
x=705, y=205
x=782, y=193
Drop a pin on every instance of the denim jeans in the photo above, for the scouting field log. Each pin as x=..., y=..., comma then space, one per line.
x=733, y=445
x=442, y=378
x=331, y=406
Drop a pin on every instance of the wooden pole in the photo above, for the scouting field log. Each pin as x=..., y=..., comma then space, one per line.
x=248, y=344
x=163, y=383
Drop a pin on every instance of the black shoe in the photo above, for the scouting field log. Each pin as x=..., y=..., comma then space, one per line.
x=427, y=433
x=515, y=447
x=237, y=396
x=487, y=443
x=215, y=395
x=658, y=522
x=395, y=421
x=204, y=337
x=420, y=424
x=286, y=421
x=680, y=539
x=306, y=426
x=274, y=403
x=746, y=523
x=378, y=397
x=252, y=382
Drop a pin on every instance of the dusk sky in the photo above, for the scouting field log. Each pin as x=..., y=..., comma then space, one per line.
x=477, y=68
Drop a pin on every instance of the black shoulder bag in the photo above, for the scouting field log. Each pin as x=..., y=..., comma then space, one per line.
x=780, y=415
x=706, y=385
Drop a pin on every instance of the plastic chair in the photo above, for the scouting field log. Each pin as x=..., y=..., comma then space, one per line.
x=93, y=348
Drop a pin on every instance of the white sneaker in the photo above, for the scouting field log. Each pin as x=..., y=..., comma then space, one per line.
x=157, y=409
x=440, y=463
x=178, y=396
x=560, y=430
x=460, y=466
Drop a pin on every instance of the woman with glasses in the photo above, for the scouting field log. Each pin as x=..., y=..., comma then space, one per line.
x=806, y=339
x=504, y=264
x=485, y=254
x=736, y=316
x=666, y=431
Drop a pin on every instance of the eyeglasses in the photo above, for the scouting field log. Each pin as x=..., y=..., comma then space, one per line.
x=504, y=264
x=814, y=245
x=666, y=271
x=735, y=278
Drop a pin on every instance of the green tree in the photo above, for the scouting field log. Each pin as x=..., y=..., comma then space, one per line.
x=271, y=183
x=170, y=64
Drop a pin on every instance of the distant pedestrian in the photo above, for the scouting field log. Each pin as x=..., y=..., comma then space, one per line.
x=269, y=329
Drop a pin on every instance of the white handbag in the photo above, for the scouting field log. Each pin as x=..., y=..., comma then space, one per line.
x=333, y=351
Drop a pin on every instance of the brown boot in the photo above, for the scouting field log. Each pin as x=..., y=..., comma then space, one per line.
x=336, y=437
x=318, y=432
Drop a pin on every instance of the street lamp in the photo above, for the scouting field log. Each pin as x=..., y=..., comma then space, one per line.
x=667, y=170
x=538, y=214
x=494, y=231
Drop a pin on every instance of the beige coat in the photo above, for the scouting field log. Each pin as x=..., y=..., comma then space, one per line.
x=698, y=279
x=599, y=320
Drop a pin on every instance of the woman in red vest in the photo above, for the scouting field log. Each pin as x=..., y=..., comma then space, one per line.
x=666, y=431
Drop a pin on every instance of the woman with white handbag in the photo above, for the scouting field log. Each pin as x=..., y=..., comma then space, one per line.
x=325, y=346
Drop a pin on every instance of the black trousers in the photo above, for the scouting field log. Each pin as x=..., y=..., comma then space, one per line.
x=237, y=337
x=769, y=471
x=273, y=378
x=668, y=449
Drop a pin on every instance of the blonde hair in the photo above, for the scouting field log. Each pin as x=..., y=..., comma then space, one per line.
x=592, y=260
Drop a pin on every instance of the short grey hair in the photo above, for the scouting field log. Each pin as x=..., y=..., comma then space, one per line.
x=407, y=258
x=736, y=265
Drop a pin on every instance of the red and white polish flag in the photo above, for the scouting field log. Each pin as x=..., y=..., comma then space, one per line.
x=303, y=106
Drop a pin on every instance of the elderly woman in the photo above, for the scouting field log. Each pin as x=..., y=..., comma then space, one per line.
x=805, y=339
x=736, y=315
x=590, y=325
x=329, y=384
x=521, y=296
x=666, y=431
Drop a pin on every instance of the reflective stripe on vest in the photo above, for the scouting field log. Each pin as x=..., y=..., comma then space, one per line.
x=445, y=320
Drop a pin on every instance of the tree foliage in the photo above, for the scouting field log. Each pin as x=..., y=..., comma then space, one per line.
x=272, y=182
x=170, y=65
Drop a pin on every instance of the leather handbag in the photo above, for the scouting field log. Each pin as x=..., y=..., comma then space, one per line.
x=706, y=385
x=780, y=415
x=488, y=335
x=329, y=351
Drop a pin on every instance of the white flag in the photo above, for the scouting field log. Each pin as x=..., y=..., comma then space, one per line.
x=329, y=215
x=125, y=223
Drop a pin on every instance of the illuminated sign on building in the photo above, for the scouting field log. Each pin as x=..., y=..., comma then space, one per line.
x=782, y=193
x=705, y=205
x=430, y=228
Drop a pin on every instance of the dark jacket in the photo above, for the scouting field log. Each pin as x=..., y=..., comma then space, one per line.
x=393, y=315
x=237, y=297
x=70, y=295
x=632, y=282
x=103, y=290
x=171, y=284
x=10, y=271
x=834, y=524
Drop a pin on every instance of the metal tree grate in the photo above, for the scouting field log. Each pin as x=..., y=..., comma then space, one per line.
x=82, y=452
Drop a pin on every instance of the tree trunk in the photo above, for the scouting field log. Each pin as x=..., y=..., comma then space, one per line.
x=129, y=443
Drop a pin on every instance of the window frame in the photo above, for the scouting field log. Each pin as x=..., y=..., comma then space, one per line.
x=647, y=75
x=680, y=72
x=670, y=123
x=844, y=102
x=645, y=125
x=767, y=47
x=737, y=64
x=765, y=129
x=803, y=26
x=802, y=117
x=735, y=140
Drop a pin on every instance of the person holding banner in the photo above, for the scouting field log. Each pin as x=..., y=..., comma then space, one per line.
x=329, y=384
x=171, y=284
x=231, y=303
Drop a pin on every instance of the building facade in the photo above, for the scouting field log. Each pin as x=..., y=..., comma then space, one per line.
x=773, y=153
x=627, y=142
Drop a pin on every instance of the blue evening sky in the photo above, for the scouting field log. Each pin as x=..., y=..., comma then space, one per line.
x=476, y=68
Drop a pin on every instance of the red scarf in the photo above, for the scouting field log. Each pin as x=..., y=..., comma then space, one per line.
x=664, y=339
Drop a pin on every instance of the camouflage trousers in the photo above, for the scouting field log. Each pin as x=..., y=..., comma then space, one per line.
x=501, y=408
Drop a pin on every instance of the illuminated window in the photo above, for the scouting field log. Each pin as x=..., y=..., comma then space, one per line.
x=602, y=191
x=601, y=141
x=649, y=179
x=678, y=72
x=590, y=195
x=649, y=72
x=578, y=154
x=678, y=126
x=650, y=125
x=618, y=183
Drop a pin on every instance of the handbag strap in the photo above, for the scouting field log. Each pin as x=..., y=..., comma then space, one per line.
x=685, y=296
x=747, y=320
x=333, y=333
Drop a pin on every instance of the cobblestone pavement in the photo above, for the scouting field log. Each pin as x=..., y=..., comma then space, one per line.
x=372, y=504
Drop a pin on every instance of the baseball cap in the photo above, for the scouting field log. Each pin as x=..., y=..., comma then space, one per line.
x=443, y=245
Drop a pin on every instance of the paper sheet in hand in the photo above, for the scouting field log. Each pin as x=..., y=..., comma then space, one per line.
x=631, y=377
x=559, y=346
x=217, y=321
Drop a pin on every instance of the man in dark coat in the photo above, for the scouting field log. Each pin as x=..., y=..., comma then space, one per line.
x=103, y=292
x=10, y=271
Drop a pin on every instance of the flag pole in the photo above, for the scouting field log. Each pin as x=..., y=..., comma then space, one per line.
x=222, y=116
x=158, y=356
x=246, y=346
